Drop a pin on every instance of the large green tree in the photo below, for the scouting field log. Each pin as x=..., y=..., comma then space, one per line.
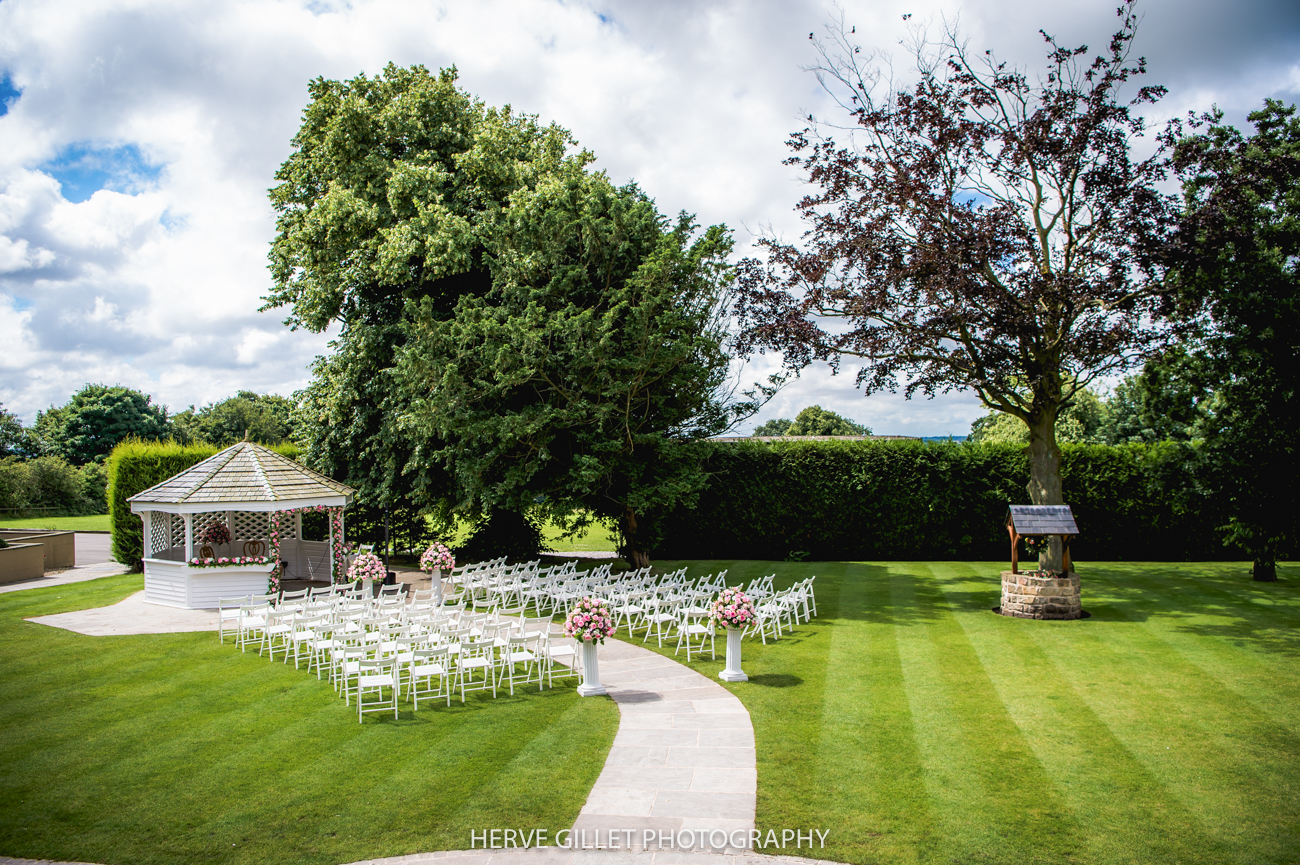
x=813, y=421
x=1240, y=248
x=264, y=418
x=382, y=202
x=516, y=332
x=97, y=417
x=583, y=381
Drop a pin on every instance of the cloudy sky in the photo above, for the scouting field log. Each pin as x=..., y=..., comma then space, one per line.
x=138, y=139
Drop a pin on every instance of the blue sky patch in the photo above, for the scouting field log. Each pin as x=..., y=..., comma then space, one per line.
x=84, y=170
x=8, y=93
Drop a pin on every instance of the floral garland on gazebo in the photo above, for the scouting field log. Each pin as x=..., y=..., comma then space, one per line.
x=337, y=546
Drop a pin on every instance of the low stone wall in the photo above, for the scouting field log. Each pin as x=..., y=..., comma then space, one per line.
x=21, y=562
x=60, y=547
x=1027, y=597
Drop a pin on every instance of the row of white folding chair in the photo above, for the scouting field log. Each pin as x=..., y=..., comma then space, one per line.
x=482, y=663
x=783, y=610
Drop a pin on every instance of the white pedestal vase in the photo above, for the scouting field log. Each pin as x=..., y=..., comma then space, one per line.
x=591, y=685
x=437, y=585
x=733, y=673
x=367, y=588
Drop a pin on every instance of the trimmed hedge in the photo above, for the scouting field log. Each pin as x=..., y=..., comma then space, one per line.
x=135, y=466
x=881, y=500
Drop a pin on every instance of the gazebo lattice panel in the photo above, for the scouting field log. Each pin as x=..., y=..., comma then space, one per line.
x=161, y=532
x=202, y=521
x=250, y=525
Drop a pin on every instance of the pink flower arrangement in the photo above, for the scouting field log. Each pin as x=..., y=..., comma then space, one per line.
x=367, y=566
x=733, y=608
x=216, y=534
x=437, y=557
x=589, y=621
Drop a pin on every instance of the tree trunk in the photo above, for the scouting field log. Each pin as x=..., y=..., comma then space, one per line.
x=632, y=552
x=1045, y=480
x=1265, y=572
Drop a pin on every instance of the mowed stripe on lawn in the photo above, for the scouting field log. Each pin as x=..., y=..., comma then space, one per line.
x=173, y=748
x=919, y=727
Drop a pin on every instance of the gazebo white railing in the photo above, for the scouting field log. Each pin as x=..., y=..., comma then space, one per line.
x=259, y=497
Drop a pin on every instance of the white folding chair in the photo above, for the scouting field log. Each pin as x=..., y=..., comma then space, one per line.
x=376, y=677
x=513, y=654
x=425, y=666
x=228, y=614
x=551, y=653
x=476, y=656
x=691, y=625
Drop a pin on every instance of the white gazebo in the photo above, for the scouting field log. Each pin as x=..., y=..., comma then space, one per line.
x=259, y=496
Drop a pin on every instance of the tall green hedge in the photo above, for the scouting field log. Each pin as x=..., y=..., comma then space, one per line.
x=909, y=500
x=135, y=466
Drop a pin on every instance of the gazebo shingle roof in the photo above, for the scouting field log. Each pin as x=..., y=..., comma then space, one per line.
x=245, y=473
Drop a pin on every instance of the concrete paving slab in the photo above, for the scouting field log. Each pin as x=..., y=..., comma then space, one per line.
x=650, y=778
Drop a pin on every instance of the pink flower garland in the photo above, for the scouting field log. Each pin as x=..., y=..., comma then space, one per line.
x=228, y=561
x=339, y=548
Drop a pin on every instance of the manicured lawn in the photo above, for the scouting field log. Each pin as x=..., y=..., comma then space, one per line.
x=175, y=749
x=597, y=538
x=97, y=523
x=917, y=726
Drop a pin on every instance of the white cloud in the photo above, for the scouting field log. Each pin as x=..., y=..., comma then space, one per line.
x=147, y=267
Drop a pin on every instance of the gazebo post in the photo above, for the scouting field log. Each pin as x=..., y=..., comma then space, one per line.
x=147, y=518
x=189, y=536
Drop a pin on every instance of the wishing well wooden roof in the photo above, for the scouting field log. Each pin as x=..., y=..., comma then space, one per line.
x=1042, y=520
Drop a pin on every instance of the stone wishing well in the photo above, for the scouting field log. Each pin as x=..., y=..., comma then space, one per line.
x=1036, y=595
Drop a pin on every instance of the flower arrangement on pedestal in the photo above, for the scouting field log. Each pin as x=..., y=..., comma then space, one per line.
x=732, y=608
x=367, y=566
x=436, y=558
x=590, y=621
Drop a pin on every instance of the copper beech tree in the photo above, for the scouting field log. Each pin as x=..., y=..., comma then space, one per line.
x=978, y=229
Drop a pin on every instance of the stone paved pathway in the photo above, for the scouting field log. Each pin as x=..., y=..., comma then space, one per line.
x=683, y=759
x=79, y=574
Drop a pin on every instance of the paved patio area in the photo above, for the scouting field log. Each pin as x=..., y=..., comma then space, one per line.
x=131, y=616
